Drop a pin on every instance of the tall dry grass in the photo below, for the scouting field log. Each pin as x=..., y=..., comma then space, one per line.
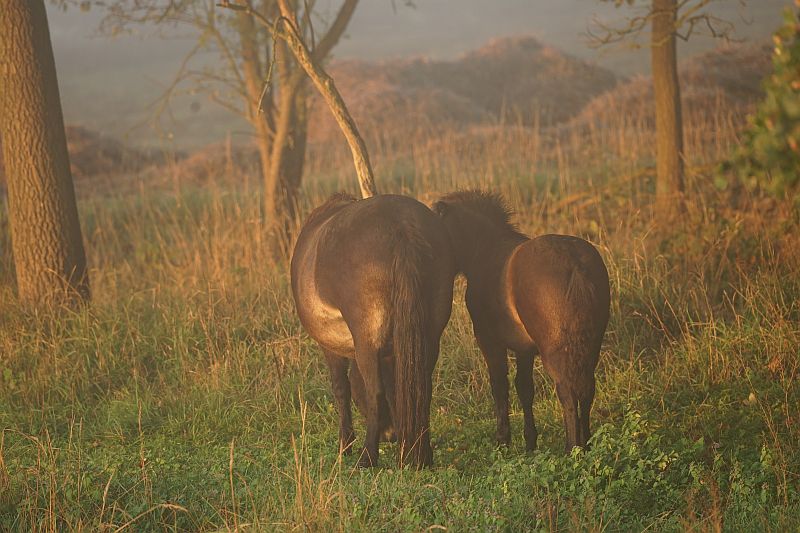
x=188, y=397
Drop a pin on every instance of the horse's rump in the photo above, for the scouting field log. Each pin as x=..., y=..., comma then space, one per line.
x=384, y=265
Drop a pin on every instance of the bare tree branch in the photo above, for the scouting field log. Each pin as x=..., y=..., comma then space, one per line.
x=335, y=31
x=287, y=30
x=691, y=15
x=327, y=88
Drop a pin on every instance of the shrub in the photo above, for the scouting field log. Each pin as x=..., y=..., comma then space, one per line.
x=769, y=156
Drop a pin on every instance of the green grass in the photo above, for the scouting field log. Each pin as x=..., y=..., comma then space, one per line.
x=188, y=397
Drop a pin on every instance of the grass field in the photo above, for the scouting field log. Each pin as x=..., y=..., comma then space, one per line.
x=188, y=397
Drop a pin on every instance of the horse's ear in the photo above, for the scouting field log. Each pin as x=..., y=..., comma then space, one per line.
x=440, y=208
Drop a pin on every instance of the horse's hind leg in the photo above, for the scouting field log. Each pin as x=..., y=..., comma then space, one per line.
x=524, y=383
x=585, y=399
x=369, y=368
x=388, y=433
x=386, y=414
x=357, y=389
x=497, y=363
x=341, y=392
x=569, y=404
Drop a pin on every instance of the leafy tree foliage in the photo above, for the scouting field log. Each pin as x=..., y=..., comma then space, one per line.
x=770, y=153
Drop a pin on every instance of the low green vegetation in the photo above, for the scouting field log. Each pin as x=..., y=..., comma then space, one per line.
x=187, y=397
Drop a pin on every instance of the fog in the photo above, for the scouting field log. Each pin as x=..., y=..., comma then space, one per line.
x=109, y=83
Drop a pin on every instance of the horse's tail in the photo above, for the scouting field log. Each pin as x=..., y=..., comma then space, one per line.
x=580, y=291
x=576, y=388
x=412, y=348
x=581, y=349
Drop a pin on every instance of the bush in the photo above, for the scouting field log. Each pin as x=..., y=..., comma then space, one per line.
x=770, y=153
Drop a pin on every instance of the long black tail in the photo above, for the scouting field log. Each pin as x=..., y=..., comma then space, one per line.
x=412, y=348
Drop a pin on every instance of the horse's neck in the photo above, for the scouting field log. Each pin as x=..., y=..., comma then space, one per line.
x=491, y=255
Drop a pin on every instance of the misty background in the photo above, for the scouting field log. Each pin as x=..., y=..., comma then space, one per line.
x=109, y=84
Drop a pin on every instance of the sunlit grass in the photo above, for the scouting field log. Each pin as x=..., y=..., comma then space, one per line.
x=188, y=396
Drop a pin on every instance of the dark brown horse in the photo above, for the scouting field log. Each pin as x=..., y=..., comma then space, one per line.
x=547, y=295
x=373, y=283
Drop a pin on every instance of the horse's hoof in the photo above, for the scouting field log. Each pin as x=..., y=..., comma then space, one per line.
x=424, y=460
x=569, y=449
x=503, y=441
x=346, y=444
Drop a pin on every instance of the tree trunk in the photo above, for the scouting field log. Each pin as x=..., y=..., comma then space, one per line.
x=46, y=237
x=330, y=93
x=282, y=156
x=261, y=118
x=669, y=123
x=288, y=150
x=280, y=131
x=287, y=161
x=292, y=157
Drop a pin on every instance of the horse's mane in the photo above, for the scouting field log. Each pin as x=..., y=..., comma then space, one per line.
x=335, y=201
x=490, y=205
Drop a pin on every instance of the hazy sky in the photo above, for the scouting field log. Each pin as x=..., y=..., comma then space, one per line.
x=107, y=83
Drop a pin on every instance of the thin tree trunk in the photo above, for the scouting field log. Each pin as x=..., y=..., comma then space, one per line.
x=669, y=123
x=293, y=156
x=288, y=161
x=280, y=131
x=331, y=95
x=260, y=113
x=275, y=193
x=286, y=154
x=46, y=237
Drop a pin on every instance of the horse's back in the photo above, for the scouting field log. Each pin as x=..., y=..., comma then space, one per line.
x=560, y=289
x=343, y=268
x=359, y=243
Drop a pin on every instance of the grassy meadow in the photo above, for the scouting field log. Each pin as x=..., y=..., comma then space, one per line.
x=188, y=397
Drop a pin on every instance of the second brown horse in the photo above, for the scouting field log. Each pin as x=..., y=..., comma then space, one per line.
x=548, y=295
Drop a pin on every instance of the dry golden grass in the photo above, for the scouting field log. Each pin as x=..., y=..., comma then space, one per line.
x=188, y=397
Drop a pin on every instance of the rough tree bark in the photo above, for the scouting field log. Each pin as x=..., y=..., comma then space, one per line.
x=669, y=122
x=290, y=151
x=46, y=237
x=295, y=151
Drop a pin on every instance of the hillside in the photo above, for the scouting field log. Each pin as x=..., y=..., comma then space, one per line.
x=109, y=84
x=727, y=78
x=515, y=79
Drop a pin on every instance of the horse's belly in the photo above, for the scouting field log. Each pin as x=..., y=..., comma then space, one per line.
x=501, y=321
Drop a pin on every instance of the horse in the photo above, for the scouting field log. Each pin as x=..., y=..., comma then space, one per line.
x=372, y=282
x=548, y=295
